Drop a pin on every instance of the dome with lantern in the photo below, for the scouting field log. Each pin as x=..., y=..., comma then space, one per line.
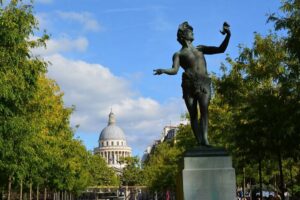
x=112, y=131
x=112, y=144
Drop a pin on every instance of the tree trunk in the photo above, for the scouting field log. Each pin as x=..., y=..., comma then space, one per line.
x=244, y=182
x=30, y=190
x=281, y=187
x=45, y=193
x=37, y=192
x=9, y=187
x=260, y=178
x=2, y=192
x=250, y=189
x=292, y=182
x=21, y=189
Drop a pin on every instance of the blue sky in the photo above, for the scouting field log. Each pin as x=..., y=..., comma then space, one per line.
x=103, y=53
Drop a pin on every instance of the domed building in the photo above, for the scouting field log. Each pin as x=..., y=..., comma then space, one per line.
x=112, y=144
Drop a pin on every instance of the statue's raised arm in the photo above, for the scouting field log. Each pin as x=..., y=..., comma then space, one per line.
x=222, y=47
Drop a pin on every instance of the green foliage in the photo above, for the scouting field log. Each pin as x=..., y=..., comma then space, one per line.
x=221, y=121
x=260, y=94
x=19, y=73
x=185, y=138
x=132, y=172
x=36, y=139
x=161, y=169
x=101, y=174
x=290, y=23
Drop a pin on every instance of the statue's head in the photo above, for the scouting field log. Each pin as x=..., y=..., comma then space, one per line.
x=185, y=32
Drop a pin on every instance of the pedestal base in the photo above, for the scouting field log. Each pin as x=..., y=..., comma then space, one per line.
x=208, y=176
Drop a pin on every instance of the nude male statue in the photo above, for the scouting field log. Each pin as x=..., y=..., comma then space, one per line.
x=196, y=84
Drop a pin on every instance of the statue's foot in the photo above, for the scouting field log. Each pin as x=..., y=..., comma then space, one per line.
x=205, y=145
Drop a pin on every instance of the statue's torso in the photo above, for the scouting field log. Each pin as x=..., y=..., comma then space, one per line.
x=193, y=61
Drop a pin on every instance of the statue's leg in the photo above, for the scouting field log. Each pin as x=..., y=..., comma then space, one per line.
x=191, y=104
x=203, y=104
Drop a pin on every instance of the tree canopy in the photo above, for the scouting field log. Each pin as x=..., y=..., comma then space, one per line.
x=37, y=145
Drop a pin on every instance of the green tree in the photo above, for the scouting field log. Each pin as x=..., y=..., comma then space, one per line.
x=289, y=22
x=290, y=81
x=132, y=172
x=263, y=98
x=50, y=119
x=100, y=173
x=37, y=147
x=161, y=169
x=19, y=72
x=185, y=138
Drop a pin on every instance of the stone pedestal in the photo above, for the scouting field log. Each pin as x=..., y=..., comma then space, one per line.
x=208, y=175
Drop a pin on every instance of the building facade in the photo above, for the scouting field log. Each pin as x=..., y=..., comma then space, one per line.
x=112, y=144
x=168, y=133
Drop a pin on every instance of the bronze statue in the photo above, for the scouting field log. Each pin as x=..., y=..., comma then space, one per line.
x=196, y=84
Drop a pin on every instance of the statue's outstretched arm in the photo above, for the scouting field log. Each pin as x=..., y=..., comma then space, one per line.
x=222, y=47
x=171, y=71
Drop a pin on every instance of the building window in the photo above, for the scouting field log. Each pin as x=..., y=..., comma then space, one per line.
x=112, y=143
x=107, y=143
x=118, y=143
x=102, y=143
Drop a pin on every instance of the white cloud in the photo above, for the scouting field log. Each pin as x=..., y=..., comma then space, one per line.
x=84, y=18
x=43, y=19
x=61, y=45
x=94, y=90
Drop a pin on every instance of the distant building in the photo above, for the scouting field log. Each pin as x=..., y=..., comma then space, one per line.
x=112, y=144
x=149, y=150
x=168, y=133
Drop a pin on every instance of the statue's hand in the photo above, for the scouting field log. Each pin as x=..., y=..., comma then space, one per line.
x=226, y=28
x=158, y=71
